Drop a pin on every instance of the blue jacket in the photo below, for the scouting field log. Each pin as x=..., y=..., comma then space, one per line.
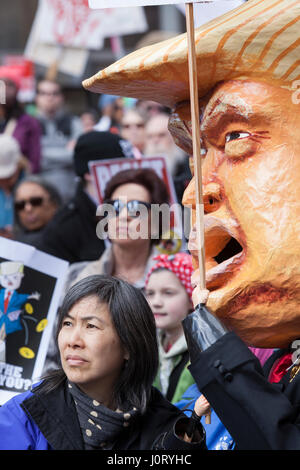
x=16, y=303
x=35, y=421
x=217, y=436
x=17, y=430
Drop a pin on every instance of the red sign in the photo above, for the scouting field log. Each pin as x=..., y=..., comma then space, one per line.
x=21, y=71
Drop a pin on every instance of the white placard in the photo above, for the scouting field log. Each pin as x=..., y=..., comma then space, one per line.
x=35, y=282
x=131, y=3
x=142, y=3
x=73, y=24
x=203, y=12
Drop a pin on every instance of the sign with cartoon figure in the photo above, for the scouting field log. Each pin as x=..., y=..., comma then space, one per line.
x=30, y=285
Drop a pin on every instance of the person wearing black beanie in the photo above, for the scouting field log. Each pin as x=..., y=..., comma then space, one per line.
x=71, y=235
x=95, y=145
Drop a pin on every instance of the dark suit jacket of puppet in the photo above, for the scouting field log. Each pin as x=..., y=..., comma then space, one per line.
x=259, y=415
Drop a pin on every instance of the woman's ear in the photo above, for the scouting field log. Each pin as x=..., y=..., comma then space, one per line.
x=126, y=355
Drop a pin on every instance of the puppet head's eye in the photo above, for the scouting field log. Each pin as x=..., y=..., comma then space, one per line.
x=236, y=135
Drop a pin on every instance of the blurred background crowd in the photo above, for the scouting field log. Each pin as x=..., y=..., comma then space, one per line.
x=44, y=110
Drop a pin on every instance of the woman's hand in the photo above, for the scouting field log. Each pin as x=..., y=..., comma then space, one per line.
x=202, y=406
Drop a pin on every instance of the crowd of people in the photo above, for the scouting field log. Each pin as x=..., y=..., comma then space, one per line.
x=143, y=356
x=49, y=201
x=46, y=139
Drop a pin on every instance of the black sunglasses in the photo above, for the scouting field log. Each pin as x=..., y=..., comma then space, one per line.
x=133, y=207
x=33, y=201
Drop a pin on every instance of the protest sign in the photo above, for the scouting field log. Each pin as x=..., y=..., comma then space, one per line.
x=21, y=70
x=70, y=60
x=134, y=3
x=205, y=12
x=74, y=24
x=31, y=284
x=64, y=32
x=103, y=170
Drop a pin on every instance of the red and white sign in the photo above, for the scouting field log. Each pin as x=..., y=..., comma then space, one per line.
x=21, y=71
x=103, y=170
x=71, y=23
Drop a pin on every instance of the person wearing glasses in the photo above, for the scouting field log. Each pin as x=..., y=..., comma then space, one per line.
x=128, y=198
x=35, y=203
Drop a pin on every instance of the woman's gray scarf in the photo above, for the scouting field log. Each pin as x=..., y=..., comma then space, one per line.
x=100, y=426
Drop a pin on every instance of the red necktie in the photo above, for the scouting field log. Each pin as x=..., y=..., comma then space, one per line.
x=6, y=301
x=280, y=368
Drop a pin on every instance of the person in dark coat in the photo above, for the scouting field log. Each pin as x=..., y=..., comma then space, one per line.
x=102, y=396
x=71, y=235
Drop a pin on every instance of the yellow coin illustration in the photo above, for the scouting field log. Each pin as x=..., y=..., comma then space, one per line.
x=170, y=243
x=41, y=325
x=29, y=308
x=26, y=352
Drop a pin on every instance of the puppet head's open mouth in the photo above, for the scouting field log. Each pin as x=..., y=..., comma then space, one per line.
x=231, y=249
x=224, y=254
x=227, y=261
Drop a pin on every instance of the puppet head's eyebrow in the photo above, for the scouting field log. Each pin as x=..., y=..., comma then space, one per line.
x=227, y=104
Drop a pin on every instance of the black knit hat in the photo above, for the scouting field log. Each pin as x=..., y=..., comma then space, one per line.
x=96, y=145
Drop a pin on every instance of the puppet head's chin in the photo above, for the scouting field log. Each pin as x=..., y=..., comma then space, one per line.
x=263, y=315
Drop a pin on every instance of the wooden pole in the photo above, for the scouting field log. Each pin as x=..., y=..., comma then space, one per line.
x=53, y=69
x=194, y=103
x=196, y=140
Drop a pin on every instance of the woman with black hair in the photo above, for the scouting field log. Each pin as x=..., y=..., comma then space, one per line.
x=102, y=396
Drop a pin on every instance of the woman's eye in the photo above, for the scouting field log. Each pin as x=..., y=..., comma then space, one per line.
x=169, y=292
x=91, y=326
x=236, y=136
x=66, y=323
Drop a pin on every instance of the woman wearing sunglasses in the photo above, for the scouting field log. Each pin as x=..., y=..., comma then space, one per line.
x=35, y=203
x=129, y=196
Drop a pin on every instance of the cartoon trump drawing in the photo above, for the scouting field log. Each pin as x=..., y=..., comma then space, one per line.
x=11, y=301
x=247, y=75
